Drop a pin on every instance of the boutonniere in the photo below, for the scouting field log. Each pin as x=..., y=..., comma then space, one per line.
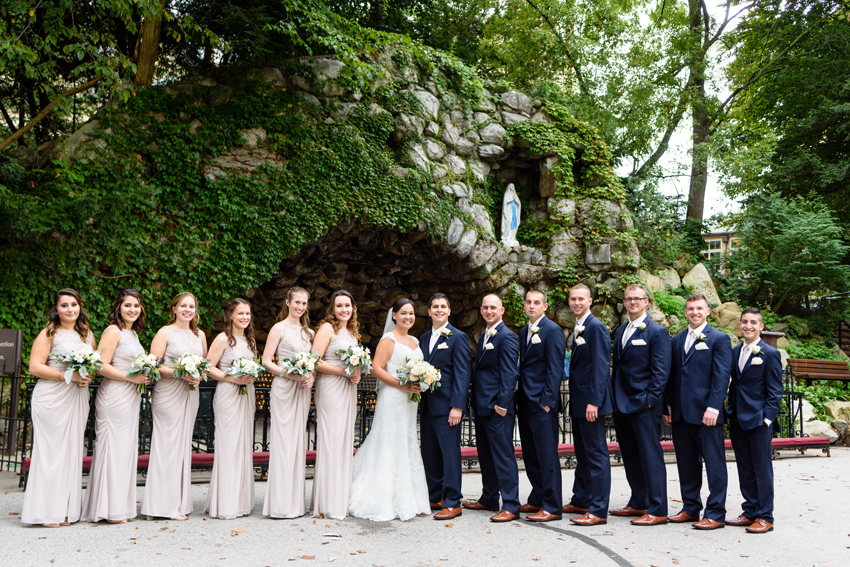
x=579, y=329
x=701, y=346
x=755, y=361
x=700, y=336
x=489, y=346
x=639, y=342
x=756, y=350
x=492, y=332
x=640, y=326
x=535, y=339
x=442, y=346
x=446, y=332
x=580, y=341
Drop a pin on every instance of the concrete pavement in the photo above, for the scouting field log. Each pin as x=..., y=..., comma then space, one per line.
x=812, y=496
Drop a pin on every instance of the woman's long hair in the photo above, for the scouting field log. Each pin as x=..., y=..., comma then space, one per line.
x=193, y=324
x=228, y=325
x=115, y=317
x=81, y=325
x=305, y=317
x=330, y=316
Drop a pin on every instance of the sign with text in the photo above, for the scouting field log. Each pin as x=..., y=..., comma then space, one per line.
x=10, y=350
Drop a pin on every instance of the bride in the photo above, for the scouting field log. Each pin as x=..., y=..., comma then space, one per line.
x=389, y=478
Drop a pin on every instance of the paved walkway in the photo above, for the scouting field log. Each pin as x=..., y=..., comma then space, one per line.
x=812, y=529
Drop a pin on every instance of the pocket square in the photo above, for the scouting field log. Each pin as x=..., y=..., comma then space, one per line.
x=489, y=346
x=701, y=346
x=579, y=341
x=535, y=340
x=442, y=346
x=756, y=361
x=639, y=342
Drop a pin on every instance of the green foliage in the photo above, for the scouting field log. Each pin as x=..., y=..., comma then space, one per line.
x=821, y=392
x=142, y=214
x=513, y=303
x=813, y=349
x=669, y=304
x=790, y=248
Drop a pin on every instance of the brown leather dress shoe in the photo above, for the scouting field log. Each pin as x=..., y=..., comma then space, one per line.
x=741, y=521
x=475, y=505
x=627, y=511
x=503, y=516
x=448, y=513
x=760, y=527
x=709, y=524
x=437, y=505
x=543, y=516
x=529, y=509
x=649, y=520
x=568, y=508
x=588, y=519
x=681, y=518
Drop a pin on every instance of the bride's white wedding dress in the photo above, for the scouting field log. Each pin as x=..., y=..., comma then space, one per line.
x=388, y=476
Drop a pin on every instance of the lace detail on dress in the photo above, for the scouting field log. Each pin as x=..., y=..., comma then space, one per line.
x=128, y=348
x=65, y=342
x=231, y=353
x=180, y=342
x=292, y=342
x=339, y=341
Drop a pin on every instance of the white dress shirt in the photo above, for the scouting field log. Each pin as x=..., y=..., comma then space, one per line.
x=435, y=336
x=627, y=334
x=691, y=338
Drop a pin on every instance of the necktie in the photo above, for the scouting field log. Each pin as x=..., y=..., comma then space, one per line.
x=692, y=336
x=742, y=360
x=628, y=333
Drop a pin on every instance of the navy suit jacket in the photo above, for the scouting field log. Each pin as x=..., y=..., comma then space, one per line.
x=700, y=379
x=453, y=362
x=541, y=365
x=756, y=392
x=496, y=371
x=640, y=371
x=590, y=369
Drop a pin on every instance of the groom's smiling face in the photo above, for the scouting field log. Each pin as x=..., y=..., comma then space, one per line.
x=439, y=312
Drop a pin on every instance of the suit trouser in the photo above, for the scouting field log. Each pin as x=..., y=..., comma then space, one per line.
x=643, y=459
x=441, y=457
x=755, y=469
x=592, y=481
x=499, y=474
x=538, y=432
x=694, y=445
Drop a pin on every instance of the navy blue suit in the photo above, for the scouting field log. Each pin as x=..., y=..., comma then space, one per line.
x=699, y=379
x=754, y=396
x=541, y=370
x=495, y=385
x=590, y=384
x=440, y=441
x=639, y=376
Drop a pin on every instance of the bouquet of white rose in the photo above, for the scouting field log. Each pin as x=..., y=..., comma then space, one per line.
x=148, y=365
x=87, y=363
x=417, y=370
x=190, y=365
x=302, y=363
x=356, y=356
x=246, y=367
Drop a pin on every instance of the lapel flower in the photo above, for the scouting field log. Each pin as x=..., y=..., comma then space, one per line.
x=756, y=350
x=640, y=326
x=492, y=332
x=700, y=336
x=446, y=332
x=579, y=329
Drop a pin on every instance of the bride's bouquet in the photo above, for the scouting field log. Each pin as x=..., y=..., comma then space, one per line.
x=417, y=370
x=190, y=365
x=354, y=357
x=147, y=365
x=246, y=367
x=302, y=363
x=87, y=363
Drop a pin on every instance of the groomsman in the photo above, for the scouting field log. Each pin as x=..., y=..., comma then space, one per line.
x=541, y=369
x=699, y=380
x=493, y=396
x=590, y=400
x=640, y=372
x=447, y=348
x=753, y=405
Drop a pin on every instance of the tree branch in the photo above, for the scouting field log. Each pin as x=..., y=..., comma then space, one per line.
x=9, y=122
x=46, y=110
x=581, y=84
x=665, y=140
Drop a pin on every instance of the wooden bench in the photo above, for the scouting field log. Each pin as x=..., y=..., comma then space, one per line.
x=809, y=370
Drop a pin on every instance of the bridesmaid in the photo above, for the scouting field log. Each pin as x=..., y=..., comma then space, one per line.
x=231, y=491
x=174, y=407
x=336, y=409
x=111, y=494
x=59, y=414
x=290, y=407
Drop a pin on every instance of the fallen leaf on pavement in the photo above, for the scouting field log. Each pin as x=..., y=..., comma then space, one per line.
x=449, y=525
x=237, y=531
x=308, y=557
x=537, y=559
x=361, y=551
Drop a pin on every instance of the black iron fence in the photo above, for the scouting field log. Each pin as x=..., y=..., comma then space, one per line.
x=16, y=430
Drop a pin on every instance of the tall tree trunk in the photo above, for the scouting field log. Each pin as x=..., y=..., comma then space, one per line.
x=148, y=48
x=701, y=122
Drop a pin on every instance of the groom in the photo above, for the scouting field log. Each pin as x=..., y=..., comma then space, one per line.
x=441, y=410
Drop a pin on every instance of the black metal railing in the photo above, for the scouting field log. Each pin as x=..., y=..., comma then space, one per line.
x=12, y=421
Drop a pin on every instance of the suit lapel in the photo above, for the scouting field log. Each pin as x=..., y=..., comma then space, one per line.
x=481, y=347
x=426, y=338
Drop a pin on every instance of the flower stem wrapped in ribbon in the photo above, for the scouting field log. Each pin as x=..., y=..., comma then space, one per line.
x=147, y=365
x=301, y=364
x=354, y=357
x=417, y=370
x=246, y=367
x=190, y=365
x=87, y=363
